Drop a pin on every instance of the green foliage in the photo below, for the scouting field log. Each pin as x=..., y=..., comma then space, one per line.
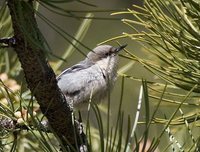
x=171, y=34
x=170, y=38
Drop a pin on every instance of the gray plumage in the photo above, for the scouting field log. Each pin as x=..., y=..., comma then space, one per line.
x=92, y=76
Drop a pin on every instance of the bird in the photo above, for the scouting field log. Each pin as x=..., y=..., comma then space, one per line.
x=92, y=78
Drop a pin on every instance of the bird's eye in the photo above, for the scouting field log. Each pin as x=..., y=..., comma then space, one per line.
x=107, y=54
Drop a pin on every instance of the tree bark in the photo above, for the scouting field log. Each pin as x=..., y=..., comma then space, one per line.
x=41, y=79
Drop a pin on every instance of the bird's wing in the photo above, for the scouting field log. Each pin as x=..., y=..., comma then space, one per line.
x=77, y=78
x=75, y=68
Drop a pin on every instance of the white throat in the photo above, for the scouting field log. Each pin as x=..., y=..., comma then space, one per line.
x=108, y=66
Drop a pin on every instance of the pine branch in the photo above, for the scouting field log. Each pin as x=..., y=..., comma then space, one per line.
x=41, y=79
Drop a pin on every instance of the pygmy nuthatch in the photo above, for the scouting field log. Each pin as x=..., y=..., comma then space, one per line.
x=92, y=77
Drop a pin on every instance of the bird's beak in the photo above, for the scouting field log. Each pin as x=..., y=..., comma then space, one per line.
x=121, y=48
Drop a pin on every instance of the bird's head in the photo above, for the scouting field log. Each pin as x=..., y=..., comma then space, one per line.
x=104, y=51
